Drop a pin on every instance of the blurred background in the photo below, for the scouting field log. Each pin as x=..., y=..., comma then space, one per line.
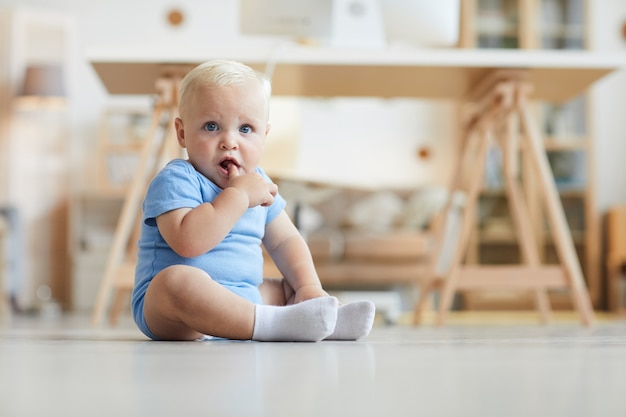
x=68, y=147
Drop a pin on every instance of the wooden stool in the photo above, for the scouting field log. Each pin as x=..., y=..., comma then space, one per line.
x=616, y=256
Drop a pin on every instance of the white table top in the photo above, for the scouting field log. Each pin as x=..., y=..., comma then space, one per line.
x=399, y=72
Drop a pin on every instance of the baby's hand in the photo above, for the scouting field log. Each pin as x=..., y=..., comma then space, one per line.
x=259, y=191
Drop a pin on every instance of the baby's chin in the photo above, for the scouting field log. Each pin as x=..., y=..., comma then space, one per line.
x=217, y=179
x=220, y=182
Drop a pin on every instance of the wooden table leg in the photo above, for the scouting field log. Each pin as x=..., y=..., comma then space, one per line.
x=556, y=215
x=467, y=218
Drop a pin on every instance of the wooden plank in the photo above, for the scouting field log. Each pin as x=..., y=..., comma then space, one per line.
x=511, y=277
x=411, y=72
x=364, y=273
x=616, y=255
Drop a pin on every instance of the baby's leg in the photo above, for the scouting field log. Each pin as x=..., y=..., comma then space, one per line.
x=184, y=303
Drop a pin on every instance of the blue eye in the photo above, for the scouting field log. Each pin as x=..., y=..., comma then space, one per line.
x=211, y=126
x=245, y=129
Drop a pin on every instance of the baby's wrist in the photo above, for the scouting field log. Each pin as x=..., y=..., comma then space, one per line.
x=313, y=288
x=243, y=195
x=313, y=284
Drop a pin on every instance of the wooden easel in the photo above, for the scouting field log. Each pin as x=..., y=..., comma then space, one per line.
x=501, y=110
x=159, y=146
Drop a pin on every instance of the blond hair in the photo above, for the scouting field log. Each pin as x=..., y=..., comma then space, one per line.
x=219, y=73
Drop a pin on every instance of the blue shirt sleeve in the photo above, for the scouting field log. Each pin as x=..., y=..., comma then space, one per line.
x=176, y=186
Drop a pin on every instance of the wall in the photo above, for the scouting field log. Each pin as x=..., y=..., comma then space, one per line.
x=116, y=22
x=609, y=97
x=358, y=141
x=34, y=142
x=326, y=132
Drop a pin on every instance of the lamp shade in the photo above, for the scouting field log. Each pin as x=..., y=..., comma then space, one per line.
x=44, y=80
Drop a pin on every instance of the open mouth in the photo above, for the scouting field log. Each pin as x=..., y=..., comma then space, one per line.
x=227, y=162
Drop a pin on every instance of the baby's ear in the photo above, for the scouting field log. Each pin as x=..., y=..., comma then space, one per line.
x=180, y=131
x=267, y=129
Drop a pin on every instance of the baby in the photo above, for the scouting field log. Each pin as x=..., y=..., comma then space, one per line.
x=200, y=263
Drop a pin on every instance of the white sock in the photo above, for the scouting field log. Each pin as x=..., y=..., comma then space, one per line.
x=309, y=321
x=354, y=321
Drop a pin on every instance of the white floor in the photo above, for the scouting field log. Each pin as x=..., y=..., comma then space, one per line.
x=68, y=368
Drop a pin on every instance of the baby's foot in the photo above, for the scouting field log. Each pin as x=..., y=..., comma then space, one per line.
x=309, y=321
x=354, y=321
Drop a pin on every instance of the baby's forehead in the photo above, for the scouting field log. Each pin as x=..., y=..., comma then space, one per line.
x=253, y=95
x=248, y=87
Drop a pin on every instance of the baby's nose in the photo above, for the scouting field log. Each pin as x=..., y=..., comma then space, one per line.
x=228, y=142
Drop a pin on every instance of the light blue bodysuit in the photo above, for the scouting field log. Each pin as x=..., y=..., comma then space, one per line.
x=236, y=262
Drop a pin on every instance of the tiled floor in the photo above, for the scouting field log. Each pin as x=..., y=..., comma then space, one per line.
x=68, y=368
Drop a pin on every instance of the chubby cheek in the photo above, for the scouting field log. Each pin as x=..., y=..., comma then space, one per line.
x=201, y=159
x=253, y=155
x=201, y=150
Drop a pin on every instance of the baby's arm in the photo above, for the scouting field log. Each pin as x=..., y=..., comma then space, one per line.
x=291, y=255
x=185, y=229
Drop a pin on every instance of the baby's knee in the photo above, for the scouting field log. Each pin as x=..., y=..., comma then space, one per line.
x=178, y=281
